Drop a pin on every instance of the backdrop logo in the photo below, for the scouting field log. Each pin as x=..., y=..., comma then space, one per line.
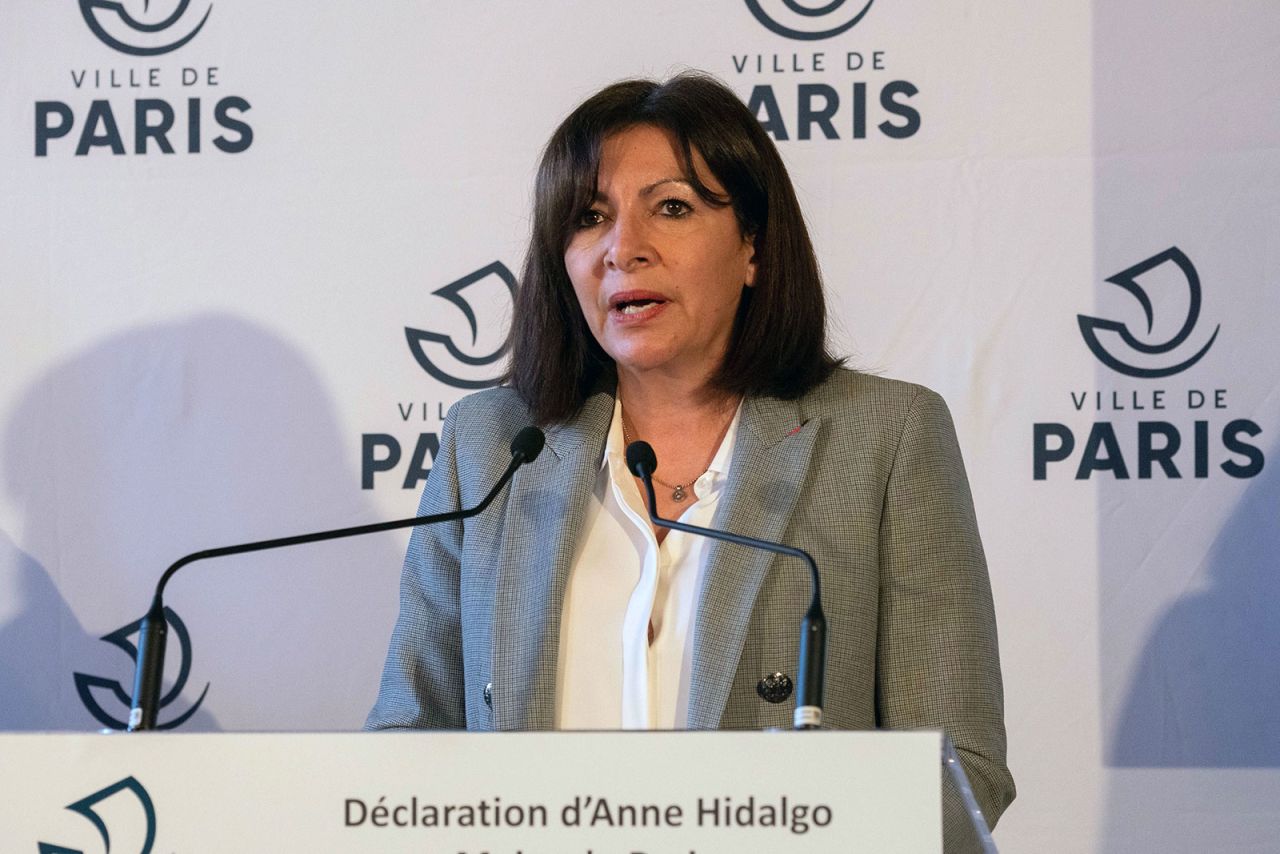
x=85, y=808
x=1092, y=328
x=120, y=638
x=140, y=105
x=430, y=347
x=830, y=91
x=1142, y=430
x=482, y=301
x=796, y=20
x=113, y=23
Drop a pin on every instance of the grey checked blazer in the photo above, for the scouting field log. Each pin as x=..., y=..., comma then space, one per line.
x=865, y=473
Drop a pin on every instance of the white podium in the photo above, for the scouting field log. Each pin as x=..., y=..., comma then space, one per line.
x=465, y=793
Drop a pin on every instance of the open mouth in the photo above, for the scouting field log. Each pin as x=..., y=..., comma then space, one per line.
x=634, y=303
x=635, y=306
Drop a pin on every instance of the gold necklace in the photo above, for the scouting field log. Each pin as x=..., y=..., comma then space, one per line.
x=678, y=493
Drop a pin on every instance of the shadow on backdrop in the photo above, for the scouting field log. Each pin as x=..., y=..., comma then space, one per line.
x=1207, y=686
x=45, y=642
x=166, y=440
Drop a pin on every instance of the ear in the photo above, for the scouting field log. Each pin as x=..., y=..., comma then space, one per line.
x=749, y=246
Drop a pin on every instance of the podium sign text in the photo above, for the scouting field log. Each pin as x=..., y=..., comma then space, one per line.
x=461, y=793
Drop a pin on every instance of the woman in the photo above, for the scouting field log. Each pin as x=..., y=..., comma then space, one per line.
x=671, y=294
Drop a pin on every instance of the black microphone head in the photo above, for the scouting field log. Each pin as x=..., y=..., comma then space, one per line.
x=528, y=443
x=641, y=459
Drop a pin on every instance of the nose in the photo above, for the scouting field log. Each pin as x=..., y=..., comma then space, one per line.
x=629, y=246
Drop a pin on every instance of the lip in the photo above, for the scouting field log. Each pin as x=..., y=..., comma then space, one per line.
x=634, y=295
x=658, y=304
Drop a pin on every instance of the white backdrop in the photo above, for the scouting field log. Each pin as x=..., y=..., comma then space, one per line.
x=210, y=346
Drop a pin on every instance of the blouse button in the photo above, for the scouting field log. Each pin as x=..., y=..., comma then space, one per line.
x=488, y=694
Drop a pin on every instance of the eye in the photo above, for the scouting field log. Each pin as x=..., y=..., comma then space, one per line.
x=675, y=208
x=590, y=218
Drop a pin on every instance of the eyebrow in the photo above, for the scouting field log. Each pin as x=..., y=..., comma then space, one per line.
x=648, y=189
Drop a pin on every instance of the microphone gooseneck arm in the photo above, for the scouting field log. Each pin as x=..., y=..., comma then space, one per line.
x=154, y=628
x=642, y=462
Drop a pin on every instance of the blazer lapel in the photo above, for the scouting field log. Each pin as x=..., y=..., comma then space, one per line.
x=539, y=535
x=770, y=464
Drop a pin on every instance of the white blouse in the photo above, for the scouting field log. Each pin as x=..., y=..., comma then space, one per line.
x=608, y=674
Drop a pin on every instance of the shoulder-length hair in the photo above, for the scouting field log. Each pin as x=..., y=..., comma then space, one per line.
x=778, y=343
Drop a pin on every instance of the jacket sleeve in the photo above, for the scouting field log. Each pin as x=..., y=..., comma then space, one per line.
x=938, y=662
x=422, y=680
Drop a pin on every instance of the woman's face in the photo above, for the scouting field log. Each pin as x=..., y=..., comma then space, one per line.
x=658, y=272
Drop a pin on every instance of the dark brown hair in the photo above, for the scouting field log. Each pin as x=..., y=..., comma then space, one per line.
x=778, y=343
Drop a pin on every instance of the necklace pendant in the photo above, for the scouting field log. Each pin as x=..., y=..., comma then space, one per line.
x=678, y=494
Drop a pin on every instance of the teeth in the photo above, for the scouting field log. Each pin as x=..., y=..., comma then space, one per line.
x=634, y=307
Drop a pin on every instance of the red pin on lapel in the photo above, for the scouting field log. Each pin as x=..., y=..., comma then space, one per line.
x=796, y=429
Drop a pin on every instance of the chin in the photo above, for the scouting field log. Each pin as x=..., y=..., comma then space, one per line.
x=645, y=357
x=637, y=365
x=630, y=353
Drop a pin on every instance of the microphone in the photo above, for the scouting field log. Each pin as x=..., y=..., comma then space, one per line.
x=152, y=633
x=813, y=629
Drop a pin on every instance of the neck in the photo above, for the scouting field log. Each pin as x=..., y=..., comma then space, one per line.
x=685, y=424
x=657, y=409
